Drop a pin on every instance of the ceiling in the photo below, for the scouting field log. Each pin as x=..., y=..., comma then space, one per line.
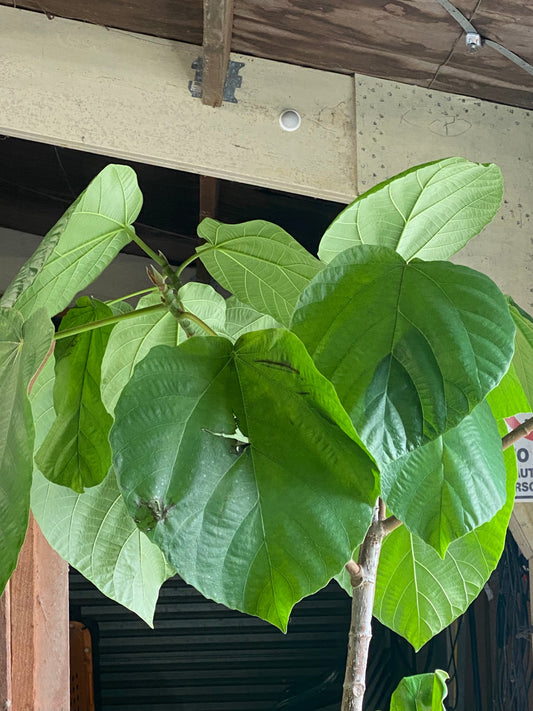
x=412, y=41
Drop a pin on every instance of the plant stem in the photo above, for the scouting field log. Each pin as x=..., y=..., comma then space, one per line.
x=514, y=435
x=363, y=578
x=188, y=316
x=40, y=368
x=106, y=321
x=131, y=296
x=186, y=263
x=158, y=259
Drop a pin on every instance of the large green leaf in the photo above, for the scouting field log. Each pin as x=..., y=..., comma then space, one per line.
x=85, y=241
x=410, y=347
x=76, y=450
x=418, y=593
x=423, y=692
x=241, y=464
x=23, y=347
x=451, y=485
x=430, y=211
x=241, y=318
x=523, y=357
x=131, y=340
x=259, y=262
x=93, y=531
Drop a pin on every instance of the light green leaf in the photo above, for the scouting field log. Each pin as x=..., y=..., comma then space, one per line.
x=93, y=531
x=418, y=593
x=87, y=239
x=29, y=271
x=241, y=319
x=261, y=264
x=523, y=357
x=240, y=463
x=449, y=486
x=423, y=692
x=411, y=348
x=23, y=347
x=508, y=398
x=76, y=451
x=430, y=211
x=130, y=341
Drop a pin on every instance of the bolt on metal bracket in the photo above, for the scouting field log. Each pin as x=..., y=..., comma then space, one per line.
x=473, y=41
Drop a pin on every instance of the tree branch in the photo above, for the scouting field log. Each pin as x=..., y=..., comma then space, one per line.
x=390, y=524
x=514, y=435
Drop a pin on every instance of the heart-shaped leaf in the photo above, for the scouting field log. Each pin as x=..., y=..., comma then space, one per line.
x=241, y=464
x=23, y=347
x=259, y=262
x=451, y=485
x=411, y=347
x=85, y=241
x=93, y=531
x=423, y=692
x=418, y=593
x=76, y=451
x=131, y=340
x=523, y=357
x=430, y=211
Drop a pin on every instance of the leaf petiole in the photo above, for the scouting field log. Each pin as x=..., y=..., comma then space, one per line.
x=106, y=321
x=131, y=296
x=186, y=263
x=158, y=259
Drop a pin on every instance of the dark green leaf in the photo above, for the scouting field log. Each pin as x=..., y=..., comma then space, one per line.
x=410, y=347
x=76, y=451
x=449, y=486
x=241, y=464
x=23, y=347
x=130, y=341
x=259, y=262
x=429, y=212
x=418, y=593
x=423, y=692
x=83, y=242
x=93, y=531
x=523, y=357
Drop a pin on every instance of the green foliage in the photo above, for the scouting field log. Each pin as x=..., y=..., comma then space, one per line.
x=86, y=239
x=418, y=593
x=239, y=458
x=523, y=349
x=131, y=341
x=259, y=263
x=429, y=212
x=23, y=346
x=411, y=348
x=93, y=531
x=240, y=463
x=424, y=692
x=450, y=486
x=76, y=450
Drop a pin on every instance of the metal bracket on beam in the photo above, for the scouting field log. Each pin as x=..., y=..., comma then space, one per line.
x=233, y=80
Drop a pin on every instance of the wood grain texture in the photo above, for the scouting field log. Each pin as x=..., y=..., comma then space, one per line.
x=218, y=23
x=412, y=41
x=39, y=627
x=5, y=650
x=173, y=19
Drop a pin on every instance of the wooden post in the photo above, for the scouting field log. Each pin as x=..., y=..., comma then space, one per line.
x=218, y=23
x=34, y=631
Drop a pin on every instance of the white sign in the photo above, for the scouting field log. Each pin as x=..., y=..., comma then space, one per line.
x=524, y=458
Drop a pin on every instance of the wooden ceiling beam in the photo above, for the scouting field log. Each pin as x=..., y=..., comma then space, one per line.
x=218, y=24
